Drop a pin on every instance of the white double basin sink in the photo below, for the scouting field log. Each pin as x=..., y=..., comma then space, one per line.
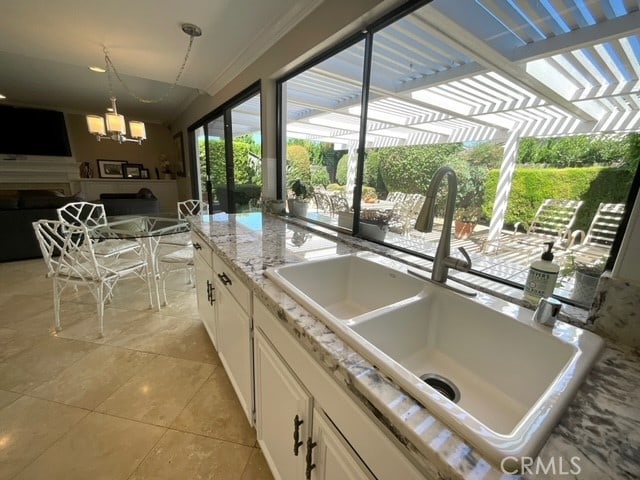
x=479, y=364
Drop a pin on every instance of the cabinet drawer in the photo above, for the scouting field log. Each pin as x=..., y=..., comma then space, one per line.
x=232, y=283
x=202, y=249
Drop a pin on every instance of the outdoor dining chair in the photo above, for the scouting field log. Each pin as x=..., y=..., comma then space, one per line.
x=72, y=261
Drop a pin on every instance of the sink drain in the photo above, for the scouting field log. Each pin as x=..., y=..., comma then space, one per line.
x=442, y=385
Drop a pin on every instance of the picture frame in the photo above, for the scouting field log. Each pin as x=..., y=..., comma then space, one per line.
x=144, y=173
x=132, y=170
x=110, y=168
x=177, y=139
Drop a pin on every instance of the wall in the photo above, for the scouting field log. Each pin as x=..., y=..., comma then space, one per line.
x=86, y=148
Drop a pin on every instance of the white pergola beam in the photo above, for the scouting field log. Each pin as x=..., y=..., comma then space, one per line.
x=449, y=31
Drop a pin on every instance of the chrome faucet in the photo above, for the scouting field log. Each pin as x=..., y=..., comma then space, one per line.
x=443, y=259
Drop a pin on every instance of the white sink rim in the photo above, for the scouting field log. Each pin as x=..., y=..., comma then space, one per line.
x=313, y=306
x=531, y=433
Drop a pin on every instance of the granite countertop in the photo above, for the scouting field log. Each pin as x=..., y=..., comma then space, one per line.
x=600, y=432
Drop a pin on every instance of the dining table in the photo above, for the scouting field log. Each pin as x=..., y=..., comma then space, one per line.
x=148, y=230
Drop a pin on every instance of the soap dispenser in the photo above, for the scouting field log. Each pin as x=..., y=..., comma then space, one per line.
x=542, y=277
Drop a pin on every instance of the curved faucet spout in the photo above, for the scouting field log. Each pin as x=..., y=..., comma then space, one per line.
x=443, y=259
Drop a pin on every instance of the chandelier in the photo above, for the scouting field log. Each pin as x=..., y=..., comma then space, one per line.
x=113, y=126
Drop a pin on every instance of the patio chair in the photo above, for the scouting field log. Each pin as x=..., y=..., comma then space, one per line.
x=597, y=242
x=93, y=215
x=339, y=204
x=71, y=260
x=551, y=223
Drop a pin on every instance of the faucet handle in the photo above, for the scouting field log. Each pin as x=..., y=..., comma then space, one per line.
x=466, y=256
x=458, y=264
x=547, y=311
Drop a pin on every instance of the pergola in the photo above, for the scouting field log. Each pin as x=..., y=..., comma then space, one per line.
x=480, y=70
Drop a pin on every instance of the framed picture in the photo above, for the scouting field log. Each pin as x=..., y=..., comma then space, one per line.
x=177, y=138
x=132, y=170
x=144, y=173
x=110, y=168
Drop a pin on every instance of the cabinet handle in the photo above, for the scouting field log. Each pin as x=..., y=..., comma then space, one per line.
x=310, y=466
x=208, y=291
x=296, y=434
x=197, y=246
x=212, y=293
x=224, y=279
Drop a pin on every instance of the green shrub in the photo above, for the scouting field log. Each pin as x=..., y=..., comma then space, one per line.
x=531, y=186
x=410, y=169
x=342, y=170
x=298, y=164
x=334, y=187
x=319, y=176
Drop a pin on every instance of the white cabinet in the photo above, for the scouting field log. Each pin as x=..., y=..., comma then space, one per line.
x=284, y=419
x=330, y=458
x=344, y=443
x=283, y=413
x=234, y=333
x=205, y=286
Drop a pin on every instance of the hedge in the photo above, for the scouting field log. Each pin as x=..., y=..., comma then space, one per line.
x=532, y=185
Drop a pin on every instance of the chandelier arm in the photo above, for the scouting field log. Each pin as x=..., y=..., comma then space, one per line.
x=111, y=66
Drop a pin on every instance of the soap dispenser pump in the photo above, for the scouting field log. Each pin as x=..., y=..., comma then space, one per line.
x=542, y=277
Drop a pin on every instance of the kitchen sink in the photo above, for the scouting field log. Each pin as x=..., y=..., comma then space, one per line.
x=479, y=364
x=345, y=287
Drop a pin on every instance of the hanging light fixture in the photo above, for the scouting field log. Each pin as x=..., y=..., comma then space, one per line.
x=113, y=126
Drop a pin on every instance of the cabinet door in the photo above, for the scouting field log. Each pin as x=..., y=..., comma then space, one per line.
x=205, y=292
x=283, y=413
x=331, y=456
x=235, y=347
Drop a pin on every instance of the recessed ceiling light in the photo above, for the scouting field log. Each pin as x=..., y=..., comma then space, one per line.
x=97, y=69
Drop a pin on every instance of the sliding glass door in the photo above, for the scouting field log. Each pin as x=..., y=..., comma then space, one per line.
x=229, y=147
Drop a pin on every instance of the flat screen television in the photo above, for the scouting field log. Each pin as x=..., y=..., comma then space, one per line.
x=32, y=131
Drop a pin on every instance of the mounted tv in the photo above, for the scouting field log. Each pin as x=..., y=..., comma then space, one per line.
x=32, y=131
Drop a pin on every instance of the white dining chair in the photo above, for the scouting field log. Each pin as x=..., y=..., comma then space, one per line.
x=93, y=215
x=177, y=260
x=186, y=209
x=71, y=261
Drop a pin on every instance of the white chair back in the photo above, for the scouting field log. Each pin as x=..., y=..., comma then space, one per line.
x=67, y=250
x=192, y=207
x=83, y=213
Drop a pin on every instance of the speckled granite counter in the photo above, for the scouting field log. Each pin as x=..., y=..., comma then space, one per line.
x=601, y=428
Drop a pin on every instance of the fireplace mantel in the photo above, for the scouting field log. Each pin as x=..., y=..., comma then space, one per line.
x=39, y=172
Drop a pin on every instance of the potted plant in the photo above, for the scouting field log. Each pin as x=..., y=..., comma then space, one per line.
x=466, y=219
x=299, y=201
x=374, y=224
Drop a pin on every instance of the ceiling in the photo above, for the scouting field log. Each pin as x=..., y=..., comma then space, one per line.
x=46, y=48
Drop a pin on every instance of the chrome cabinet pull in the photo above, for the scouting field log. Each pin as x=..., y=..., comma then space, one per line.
x=297, y=443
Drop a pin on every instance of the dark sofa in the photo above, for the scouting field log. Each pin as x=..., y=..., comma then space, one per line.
x=19, y=208
x=144, y=201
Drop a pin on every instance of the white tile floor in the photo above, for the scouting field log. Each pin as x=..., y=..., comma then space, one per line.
x=149, y=400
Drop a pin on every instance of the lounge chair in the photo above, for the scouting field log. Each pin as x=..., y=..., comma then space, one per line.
x=597, y=242
x=551, y=223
